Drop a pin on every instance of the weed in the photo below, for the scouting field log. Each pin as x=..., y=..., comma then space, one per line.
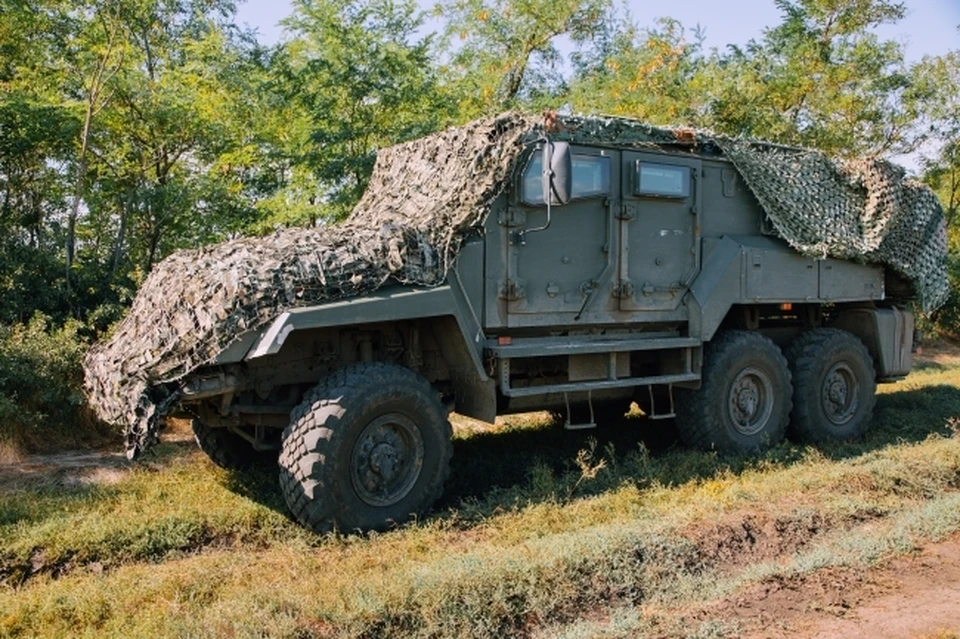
x=539, y=535
x=589, y=469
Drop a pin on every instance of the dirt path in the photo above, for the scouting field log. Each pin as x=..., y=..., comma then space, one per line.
x=916, y=596
x=80, y=467
x=65, y=469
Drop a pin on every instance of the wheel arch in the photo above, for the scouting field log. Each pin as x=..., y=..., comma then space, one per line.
x=888, y=335
x=444, y=310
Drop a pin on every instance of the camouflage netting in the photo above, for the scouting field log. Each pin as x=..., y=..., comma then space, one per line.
x=424, y=196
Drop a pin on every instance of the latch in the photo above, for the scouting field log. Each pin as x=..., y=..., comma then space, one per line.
x=627, y=212
x=624, y=290
x=512, y=290
x=650, y=289
x=511, y=216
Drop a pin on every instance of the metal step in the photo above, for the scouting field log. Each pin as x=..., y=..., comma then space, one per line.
x=568, y=423
x=653, y=405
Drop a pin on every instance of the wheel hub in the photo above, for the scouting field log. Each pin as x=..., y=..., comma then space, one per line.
x=387, y=459
x=751, y=401
x=384, y=460
x=840, y=395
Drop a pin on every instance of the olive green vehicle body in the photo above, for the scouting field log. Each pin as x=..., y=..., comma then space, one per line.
x=611, y=296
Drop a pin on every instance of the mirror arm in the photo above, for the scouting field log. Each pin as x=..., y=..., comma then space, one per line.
x=521, y=235
x=547, y=174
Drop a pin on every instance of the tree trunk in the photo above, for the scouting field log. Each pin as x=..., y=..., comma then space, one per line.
x=78, y=189
x=100, y=77
x=121, y=237
x=154, y=242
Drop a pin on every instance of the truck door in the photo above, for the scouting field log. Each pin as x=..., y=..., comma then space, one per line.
x=557, y=270
x=659, y=230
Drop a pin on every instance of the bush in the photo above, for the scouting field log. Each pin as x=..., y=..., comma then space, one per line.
x=946, y=321
x=42, y=404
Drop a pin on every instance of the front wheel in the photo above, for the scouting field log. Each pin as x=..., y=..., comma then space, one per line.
x=744, y=402
x=369, y=447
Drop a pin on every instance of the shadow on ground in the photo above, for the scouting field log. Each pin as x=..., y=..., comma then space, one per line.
x=491, y=469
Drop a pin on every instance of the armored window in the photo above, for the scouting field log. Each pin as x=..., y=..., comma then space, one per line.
x=662, y=180
x=591, y=177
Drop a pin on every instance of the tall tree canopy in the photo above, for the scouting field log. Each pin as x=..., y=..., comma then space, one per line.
x=354, y=76
x=131, y=128
x=503, y=54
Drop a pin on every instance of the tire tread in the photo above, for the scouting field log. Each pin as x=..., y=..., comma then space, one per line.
x=696, y=422
x=804, y=354
x=302, y=462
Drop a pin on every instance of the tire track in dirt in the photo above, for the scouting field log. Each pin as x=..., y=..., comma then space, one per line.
x=906, y=597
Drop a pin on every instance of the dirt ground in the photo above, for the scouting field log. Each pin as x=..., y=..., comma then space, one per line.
x=911, y=597
x=81, y=467
x=916, y=596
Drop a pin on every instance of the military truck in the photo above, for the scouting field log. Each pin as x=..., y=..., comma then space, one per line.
x=600, y=274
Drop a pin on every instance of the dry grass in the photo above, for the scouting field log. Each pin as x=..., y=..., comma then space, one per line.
x=942, y=633
x=530, y=537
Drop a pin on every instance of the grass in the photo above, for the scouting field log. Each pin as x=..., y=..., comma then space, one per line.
x=541, y=532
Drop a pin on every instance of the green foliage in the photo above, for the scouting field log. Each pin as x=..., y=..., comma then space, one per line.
x=133, y=128
x=503, y=53
x=946, y=320
x=356, y=77
x=651, y=74
x=41, y=398
x=821, y=78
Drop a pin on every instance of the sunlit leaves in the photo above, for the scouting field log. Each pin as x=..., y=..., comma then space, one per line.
x=504, y=53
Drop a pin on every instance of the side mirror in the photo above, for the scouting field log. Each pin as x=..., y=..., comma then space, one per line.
x=557, y=173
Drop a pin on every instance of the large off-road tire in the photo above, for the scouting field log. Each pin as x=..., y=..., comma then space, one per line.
x=224, y=448
x=834, y=386
x=368, y=448
x=744, y=402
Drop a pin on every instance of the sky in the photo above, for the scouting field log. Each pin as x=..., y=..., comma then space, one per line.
x=929, y=28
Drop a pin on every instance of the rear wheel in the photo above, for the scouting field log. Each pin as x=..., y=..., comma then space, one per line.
x=834, y=386
x=744, y=402
x=369, y=447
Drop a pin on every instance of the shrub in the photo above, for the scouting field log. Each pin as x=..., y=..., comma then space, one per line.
x=946, y=321
x=42, y=404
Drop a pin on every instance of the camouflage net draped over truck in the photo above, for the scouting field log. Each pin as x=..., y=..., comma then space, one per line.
x=424, y=196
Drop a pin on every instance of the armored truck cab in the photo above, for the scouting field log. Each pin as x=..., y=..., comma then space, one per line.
x=600, y=275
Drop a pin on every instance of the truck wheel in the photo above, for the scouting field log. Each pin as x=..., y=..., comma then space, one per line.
x=224, y=448
x=744, y=402
x=834, y=386
x=370, y=446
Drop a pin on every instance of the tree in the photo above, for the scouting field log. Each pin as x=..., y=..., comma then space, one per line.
x=95, y=58
x=503, y=53
x=652, y=74
x=128, y=137
x=356, y=78
x=937, y=82
x=170, y=160
x=821, y=78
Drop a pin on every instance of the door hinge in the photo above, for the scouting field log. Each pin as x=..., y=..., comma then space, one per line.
x=512, y=290
x=624, y=290
x=512, y=216
x=627, y=212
